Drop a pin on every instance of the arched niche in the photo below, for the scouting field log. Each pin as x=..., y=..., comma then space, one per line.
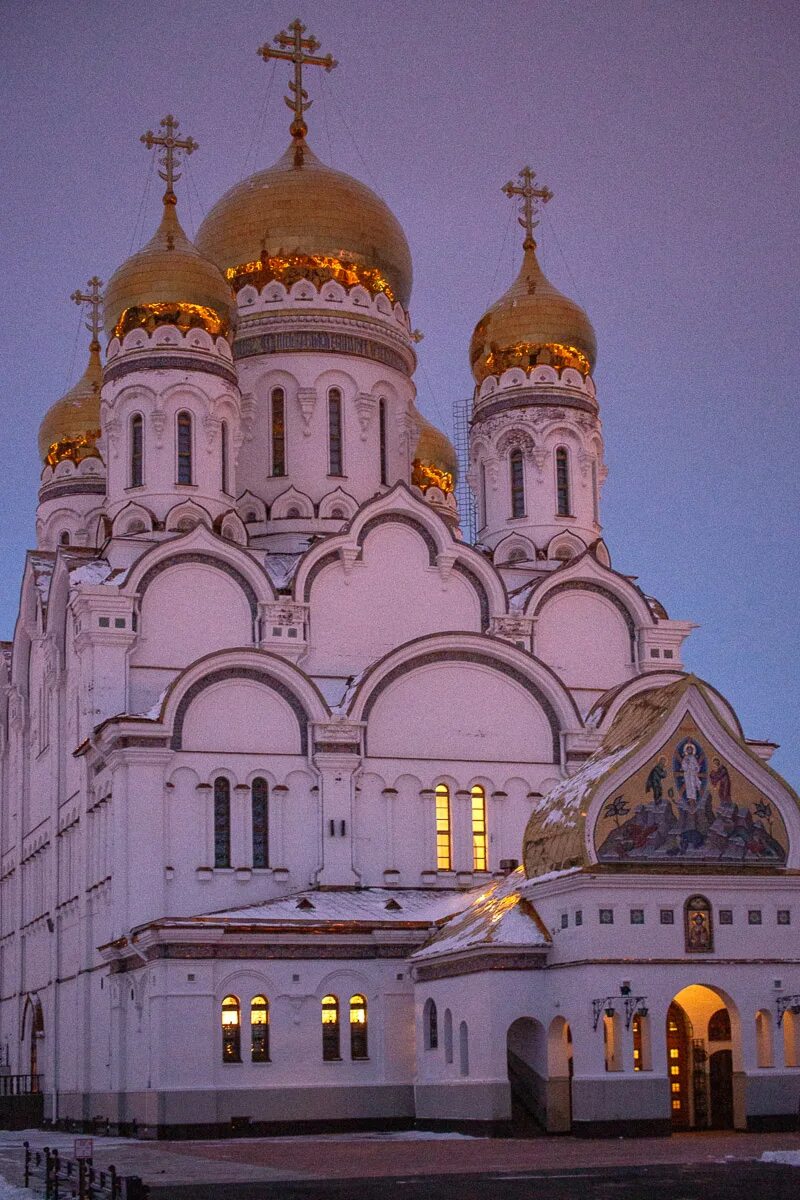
x=586, y=636
x=190, y=607
x=240, y=710
x=354, y=604
x=454, y=705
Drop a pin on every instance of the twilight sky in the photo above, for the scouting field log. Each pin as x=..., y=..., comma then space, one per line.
x=669, y=134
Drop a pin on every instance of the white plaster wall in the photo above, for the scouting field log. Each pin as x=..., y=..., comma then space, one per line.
x=391, y=596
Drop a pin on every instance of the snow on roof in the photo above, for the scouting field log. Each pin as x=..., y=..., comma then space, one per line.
x=92, y=573
x=281, y=567
x=367, y=906
x=498, y=915
x=42, y=566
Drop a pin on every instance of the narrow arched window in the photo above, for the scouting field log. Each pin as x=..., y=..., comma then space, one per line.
x=63, y=537
x=463, y=1048
x=562, y=482
x=335, y=459
x=137, y=450
x=517, y=475
x=259, y=1029
x=231, y=1030
x=595, y=493
x=444, y=841
x=278, y=436
x=330, y=1029
x=642, y=1050
x=482, y=504
x=224, y=455
x=260, y=813
x=448, y=1036
x=431, y=1025
x=382, y=435
x=358, y=1027
x=184, y=442
x=479, y=844
x=222, y=822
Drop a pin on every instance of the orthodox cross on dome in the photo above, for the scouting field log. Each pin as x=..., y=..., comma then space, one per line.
x=93, y=298
x=530, y=195
x=299, y=50
x=170, y=146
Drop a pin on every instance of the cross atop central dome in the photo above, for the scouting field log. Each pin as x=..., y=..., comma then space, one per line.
x=300, y=219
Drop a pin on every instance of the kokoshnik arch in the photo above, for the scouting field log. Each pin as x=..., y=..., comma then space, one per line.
x=276, y=740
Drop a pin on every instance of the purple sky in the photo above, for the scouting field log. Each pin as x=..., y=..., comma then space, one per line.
x=669, y=134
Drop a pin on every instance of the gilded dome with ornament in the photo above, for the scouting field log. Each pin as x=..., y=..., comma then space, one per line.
x=435, y=461
x=168, y=282
x=532, y=323
x=71, y=427
x=302, y=219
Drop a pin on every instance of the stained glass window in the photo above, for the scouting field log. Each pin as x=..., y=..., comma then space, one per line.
x=517, y=484
x=335, y=459
x=444, y=849
x=137, y=450
x=260, y=812
x=278, y=417
x=259, y=1029
x=479, y=847
x=222, y=822
x=562, y=482
x=231, y=1030
x=330, y=1029
x=358, y=1027
x=184, y=447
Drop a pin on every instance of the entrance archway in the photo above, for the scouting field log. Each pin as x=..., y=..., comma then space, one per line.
x=33, y=1030
x=526, y=1052
x=703, y=1056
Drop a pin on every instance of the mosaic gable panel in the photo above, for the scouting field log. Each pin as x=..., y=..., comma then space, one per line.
x=688, y=805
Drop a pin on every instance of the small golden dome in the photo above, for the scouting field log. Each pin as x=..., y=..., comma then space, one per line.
x=168, y=282
x=71, y=427
x=301, y=219
x=435, y=462
x=532, y=323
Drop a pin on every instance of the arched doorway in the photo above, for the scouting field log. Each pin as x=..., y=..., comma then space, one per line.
x=526, y=1053
x=33, y=1031
x=703, y=1047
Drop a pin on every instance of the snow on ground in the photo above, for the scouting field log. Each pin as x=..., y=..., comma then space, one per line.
x=9, y=1192
x=790, y=1158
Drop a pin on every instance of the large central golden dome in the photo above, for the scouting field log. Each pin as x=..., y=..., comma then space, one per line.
x=532, y=323
x=300, y=218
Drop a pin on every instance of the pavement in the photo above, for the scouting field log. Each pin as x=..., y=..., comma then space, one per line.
x=701, y=1166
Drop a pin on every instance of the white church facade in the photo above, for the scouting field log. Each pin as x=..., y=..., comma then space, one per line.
x=313, y=814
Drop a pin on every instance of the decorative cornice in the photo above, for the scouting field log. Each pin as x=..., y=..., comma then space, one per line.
x=147, y=361
x=323, y=341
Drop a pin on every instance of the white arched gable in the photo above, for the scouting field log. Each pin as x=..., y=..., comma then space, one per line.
x=245, y=702
x=414, y=703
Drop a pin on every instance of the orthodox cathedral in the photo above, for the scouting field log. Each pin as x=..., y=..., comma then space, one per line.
x=314, y=814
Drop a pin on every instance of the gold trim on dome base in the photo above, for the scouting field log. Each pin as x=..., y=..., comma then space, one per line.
x=73, y=448
x=317, y=268
x=184, y=316
x=530, y=354
x=426, y=475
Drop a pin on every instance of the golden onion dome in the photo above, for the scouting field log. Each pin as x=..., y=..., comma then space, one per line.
x=71, y=427
x=435, y=461
x=168, y=282
x=532, y=323
x=300, y=219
